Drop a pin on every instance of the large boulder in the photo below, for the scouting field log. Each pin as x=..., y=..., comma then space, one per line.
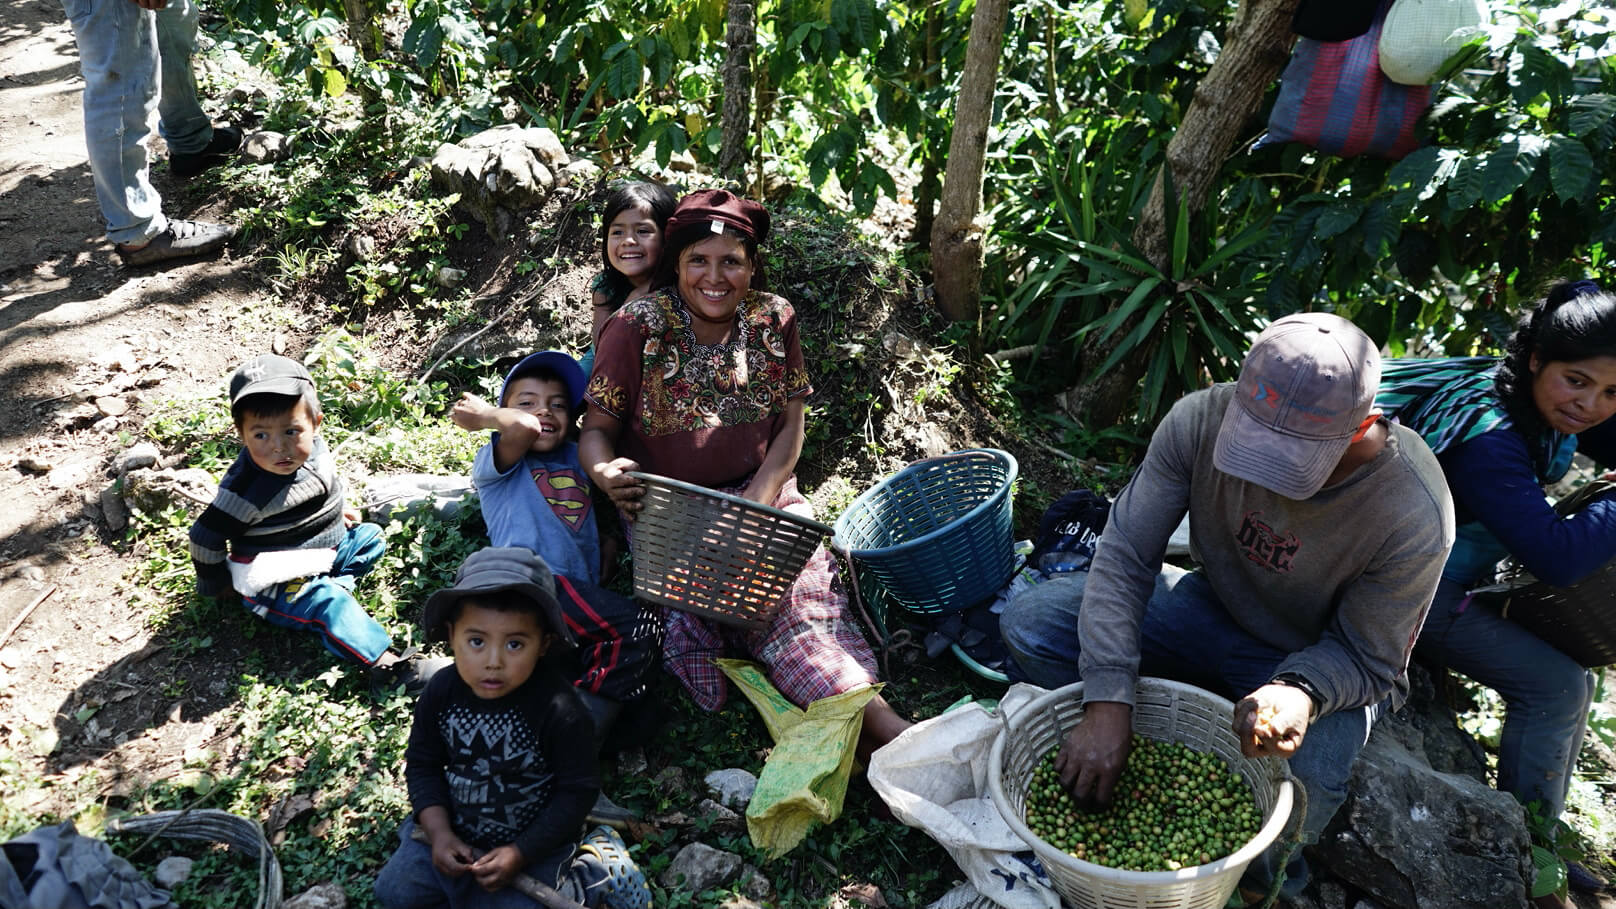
x=1421, y=827
x=500, y=172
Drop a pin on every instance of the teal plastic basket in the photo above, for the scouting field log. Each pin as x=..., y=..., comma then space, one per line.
x=937, y=534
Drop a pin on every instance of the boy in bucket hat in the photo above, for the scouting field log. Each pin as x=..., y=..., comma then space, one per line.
x=277, y=531
x=500, y=764
x=1320, y=530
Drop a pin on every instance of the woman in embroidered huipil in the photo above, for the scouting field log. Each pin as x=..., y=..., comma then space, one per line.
x=1502, y=429
x=703, y=381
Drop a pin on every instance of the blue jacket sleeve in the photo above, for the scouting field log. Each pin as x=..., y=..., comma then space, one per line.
x=1492, y=480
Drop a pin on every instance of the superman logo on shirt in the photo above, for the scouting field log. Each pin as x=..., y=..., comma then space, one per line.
x=567, y=492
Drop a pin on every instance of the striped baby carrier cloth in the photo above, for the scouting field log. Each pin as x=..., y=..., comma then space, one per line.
x=1451, y=400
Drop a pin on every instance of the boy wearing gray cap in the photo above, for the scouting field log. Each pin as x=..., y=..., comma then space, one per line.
x=501, y=759
x=1320, y=530
x=277, y=531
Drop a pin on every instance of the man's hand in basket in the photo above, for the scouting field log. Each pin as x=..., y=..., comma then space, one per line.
x=1094, y=752
x=624, y=490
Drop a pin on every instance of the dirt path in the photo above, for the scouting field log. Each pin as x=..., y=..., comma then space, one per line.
x=86, y=346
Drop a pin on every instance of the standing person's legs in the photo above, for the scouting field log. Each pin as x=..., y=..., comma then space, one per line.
x=1187, y=635
x=118, y=55
x=1546, y=694
x=181, y=120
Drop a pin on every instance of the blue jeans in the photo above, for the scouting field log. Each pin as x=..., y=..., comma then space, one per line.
x=1186, y=635
x=1546, y=693
x=135, y=61
x=409, y=881
x=326, y=604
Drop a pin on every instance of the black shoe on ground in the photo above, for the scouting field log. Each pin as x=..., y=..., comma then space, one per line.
x=181, y=240
x=1582, y=880
x=221, y=148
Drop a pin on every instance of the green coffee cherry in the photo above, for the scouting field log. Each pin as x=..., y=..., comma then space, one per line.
x=1173, y=808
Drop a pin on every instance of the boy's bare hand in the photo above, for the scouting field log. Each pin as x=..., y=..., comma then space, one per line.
x=351, y=515
x=472, y=412
x=450, y=855
x=496, y=868
x=624, y=490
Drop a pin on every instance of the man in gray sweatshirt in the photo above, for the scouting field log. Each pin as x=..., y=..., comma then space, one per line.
x=1320, y=531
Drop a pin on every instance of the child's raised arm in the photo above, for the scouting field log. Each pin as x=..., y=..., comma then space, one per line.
x=517, y=429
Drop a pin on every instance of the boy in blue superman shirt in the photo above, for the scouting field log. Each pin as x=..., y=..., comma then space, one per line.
x=536, y=495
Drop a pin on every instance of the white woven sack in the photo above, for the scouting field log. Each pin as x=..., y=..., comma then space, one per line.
x=934, y=777
x=1421, y=36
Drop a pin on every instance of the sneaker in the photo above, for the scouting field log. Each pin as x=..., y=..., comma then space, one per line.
x=609, y=813
x=181, y=240
x=226, y=140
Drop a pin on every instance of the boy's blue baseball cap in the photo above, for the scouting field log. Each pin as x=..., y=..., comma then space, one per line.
x=563, y=365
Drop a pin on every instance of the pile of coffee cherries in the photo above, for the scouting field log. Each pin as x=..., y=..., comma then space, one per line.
x=1173, y=808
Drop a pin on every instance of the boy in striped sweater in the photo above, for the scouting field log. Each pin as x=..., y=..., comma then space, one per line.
x=277, y=531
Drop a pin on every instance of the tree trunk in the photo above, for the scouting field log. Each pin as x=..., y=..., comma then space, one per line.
x=363, y=28
x=956, y=237
x=741, y=36
x=1255, y=50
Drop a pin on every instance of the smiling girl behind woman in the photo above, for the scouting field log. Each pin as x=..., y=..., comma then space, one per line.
x=630, y=250
x=1503, y=429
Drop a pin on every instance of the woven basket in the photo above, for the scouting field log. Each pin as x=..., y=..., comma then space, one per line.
x=1580, y=621
x=936, y=534
x=720, y=556
x=1166, y=711
x=214, y=826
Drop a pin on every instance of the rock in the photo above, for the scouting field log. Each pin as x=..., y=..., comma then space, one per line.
x=632, y=763
x=113, y=510
x=1394, y=838
x=361, y=246
x=740, y=902
x=111, y=405
x=34, y=465
x=449, y=278
x=28, y=572
x=171, y=871
x=71, y=475
x=579, y=171
x=141, y=454
x=500, y=172
x=106, y=425
x=732, y=787
x=541, y=141
x=700, y=867
x=754, y=885
x=266, y=145
x=671, y=779
x=718, y=815
x=154, y=490
x=321, y=896
x=245, y=96
x=410, y=493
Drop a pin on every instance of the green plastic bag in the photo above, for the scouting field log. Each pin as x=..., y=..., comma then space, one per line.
x=805, y=778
